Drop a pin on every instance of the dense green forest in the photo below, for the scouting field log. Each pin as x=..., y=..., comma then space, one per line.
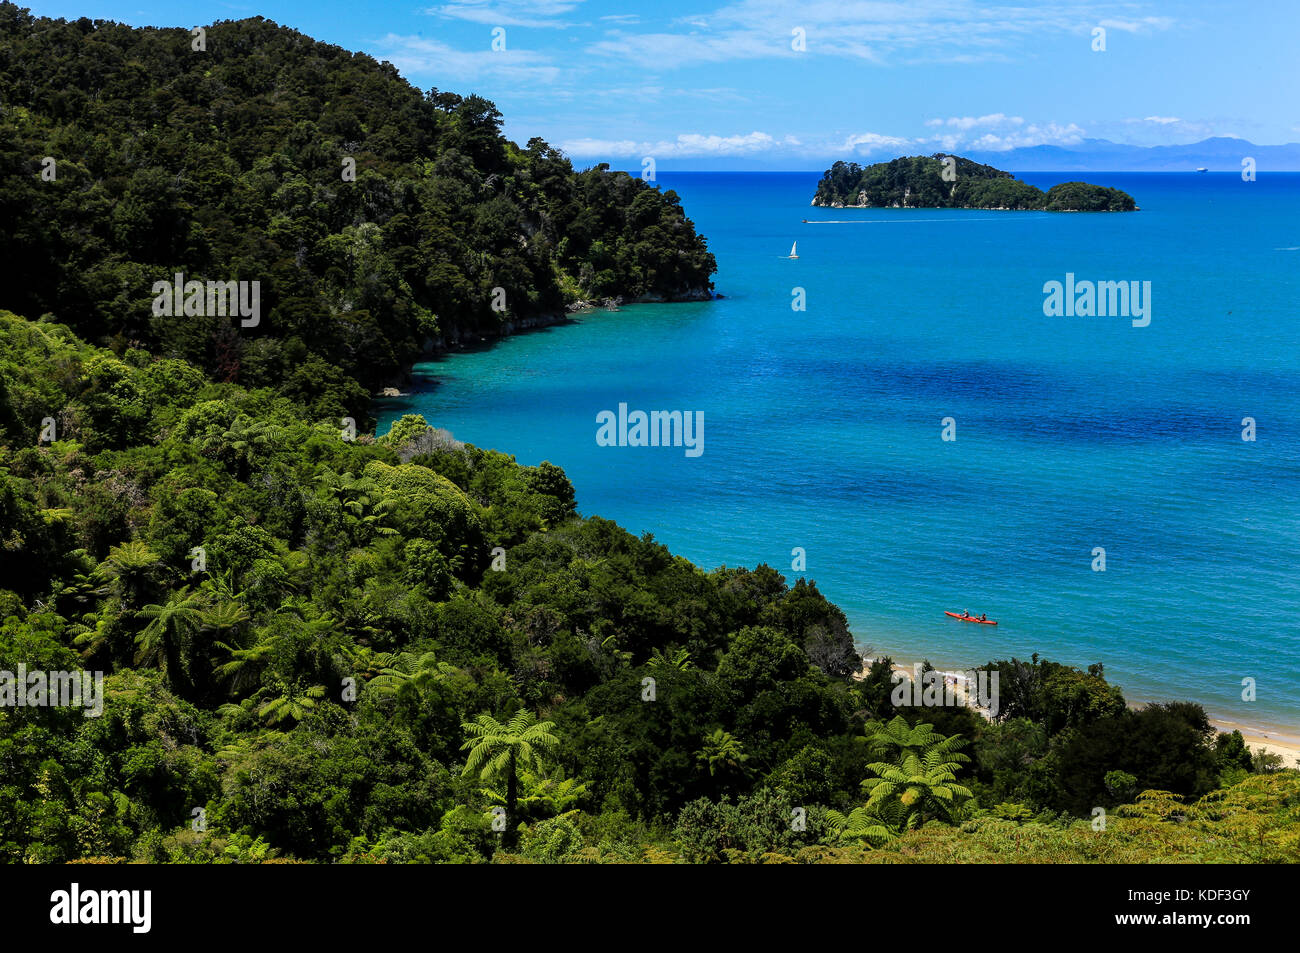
x=229, y=164
x=336, y=647
x=942, y=181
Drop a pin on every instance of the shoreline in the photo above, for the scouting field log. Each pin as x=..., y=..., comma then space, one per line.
x=1276, y=739
x=457, y=339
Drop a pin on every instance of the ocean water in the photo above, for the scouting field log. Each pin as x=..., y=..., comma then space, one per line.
x=822, y=427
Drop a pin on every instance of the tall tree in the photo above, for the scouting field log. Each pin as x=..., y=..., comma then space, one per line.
x=499, y=750
x=163, y=640
x=131, y=566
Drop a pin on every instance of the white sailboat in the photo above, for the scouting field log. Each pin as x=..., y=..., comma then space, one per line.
x=794, y=250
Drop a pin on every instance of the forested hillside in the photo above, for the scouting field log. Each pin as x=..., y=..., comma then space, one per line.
x=346, y=647
x=234, y=162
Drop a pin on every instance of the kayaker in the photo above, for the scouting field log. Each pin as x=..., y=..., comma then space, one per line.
x=983, y=616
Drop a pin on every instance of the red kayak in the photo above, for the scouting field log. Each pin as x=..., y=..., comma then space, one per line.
x=970, y=618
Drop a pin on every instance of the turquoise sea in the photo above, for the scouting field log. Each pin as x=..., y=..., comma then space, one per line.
x=822, y=428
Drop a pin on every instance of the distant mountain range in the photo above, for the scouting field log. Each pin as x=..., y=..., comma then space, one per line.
x=1219, y=154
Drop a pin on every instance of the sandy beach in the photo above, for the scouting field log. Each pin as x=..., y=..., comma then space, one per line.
x=1269, y=739
x=1279, y=741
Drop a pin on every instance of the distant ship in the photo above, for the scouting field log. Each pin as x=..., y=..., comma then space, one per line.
x=793, y=252
x=1202, y=169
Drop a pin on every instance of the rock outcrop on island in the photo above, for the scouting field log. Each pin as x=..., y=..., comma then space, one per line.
x=946, y=181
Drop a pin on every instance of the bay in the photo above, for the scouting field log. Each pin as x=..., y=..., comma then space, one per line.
x=823, y=426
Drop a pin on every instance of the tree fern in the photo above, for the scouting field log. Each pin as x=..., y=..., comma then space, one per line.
x=918, y=782
x=499, y=750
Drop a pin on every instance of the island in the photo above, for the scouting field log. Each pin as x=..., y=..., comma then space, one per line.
x=946, y=181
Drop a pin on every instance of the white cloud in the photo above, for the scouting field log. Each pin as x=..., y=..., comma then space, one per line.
x=1163, y=120
x=929, y=31
x=655, y=92
x=972, y=122
x=414, y=54
x=664, y=50
x=688, y=145
x=867, y=142
x=601, y=147
x=992, y=133
x=695, y=144
x=1050, y=134
x=1138, y=26
x=530, y=13
x=864, y=144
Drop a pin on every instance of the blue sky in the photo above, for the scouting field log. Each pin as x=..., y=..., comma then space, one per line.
x=687, y=80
